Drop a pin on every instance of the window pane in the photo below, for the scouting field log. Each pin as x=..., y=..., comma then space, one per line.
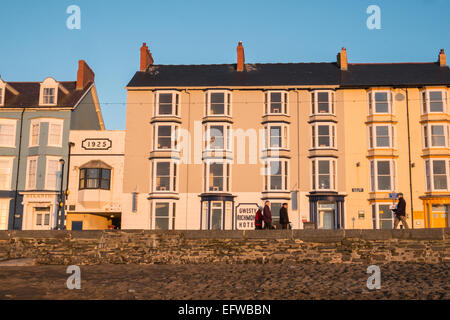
x=381, y=102
x=437, y=136
x=323, y=103
x=216, y=177
x=439, y=174
x=163, y=176
x=164, y=137
x=436, y=103
x=324, y=136
x=217, y=138
x=324, y=166
x=382, y=136
x=217, y=103
x=275, y=137
x=275, y=102
x=162, y=216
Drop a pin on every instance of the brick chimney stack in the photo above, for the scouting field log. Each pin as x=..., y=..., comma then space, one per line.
x=85, y=75
x=146, y=57
x=342, y=59
x=442, y=58
x=240, y=57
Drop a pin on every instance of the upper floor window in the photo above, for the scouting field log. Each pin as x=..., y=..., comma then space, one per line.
x=435, y=135
x=382, y=175
x=322, y=102
x=165, y=136
x=217, y=137
x=218, y=103
x=217, y=176
x=165, y=176
x=276, y=177
x=434, y=101
x=7, y=133
x=49, y=92
x=55, y=130
x=324, y=174
x=276, y=136
x=276, y=102
x=437, y=176
x=95, y=178
x=167, y=104
x=52, y=174
x=380, y=102
x=381, y=136
x=323, y=135
x=31, y=173
x=5, y=172
x=34, y=132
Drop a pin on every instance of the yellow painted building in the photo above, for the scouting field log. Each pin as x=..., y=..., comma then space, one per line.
x=206, y=145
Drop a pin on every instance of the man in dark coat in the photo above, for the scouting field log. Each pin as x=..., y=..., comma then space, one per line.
x=284, y=218
x=267, y=216
x=400, y=212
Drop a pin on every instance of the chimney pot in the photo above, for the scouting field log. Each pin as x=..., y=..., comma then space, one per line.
x=146, y=57
x=85, y=75
x=342, y=59
x=442, y=58
x=240, y=57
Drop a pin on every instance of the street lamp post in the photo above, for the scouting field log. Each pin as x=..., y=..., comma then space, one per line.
x=61, y=201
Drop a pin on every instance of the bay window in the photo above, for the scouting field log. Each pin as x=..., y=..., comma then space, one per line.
x=382, y=175
x=167, y=103
x=323, y=135
x=436, y=172
x=434, y=101
x=380, y=102
x=218, y=103
x=276, y=175
x=164, y=215
x=435, y=135
x=166, y=136
x=276, y=102
x=165, y=176
x=217, y=176
x=381, y=136
x=322, y=102
x=95, y=178
x=276, y=136
x=217, y=137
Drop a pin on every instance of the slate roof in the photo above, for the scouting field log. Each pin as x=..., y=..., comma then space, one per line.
x=28, y=96
x=292, y=74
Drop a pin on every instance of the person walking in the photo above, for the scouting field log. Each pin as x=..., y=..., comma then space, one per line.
x=267, y=217
x=284, y=218
x=400, y=212
x=259, y=219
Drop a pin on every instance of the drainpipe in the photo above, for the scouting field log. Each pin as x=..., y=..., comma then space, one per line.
x=298, y=158
x=189, y=160
x=409, y=159
x=71, y=144
x=18, y=170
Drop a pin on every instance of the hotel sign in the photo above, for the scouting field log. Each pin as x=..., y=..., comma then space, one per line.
x=96, y=144
x=245, y=216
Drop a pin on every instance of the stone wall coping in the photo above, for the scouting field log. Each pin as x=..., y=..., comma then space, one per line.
x=303, y=235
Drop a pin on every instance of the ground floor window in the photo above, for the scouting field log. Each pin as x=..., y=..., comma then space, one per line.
x=217, y=214
x=41, y=217
x=382, y=216
x=164, y=215
x=4, y=212
x=326, y=215
x=275, y=210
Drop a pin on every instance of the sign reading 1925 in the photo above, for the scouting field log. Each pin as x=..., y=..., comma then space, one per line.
x=96, y=144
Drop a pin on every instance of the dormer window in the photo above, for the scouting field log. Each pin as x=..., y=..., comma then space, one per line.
x=49, y=92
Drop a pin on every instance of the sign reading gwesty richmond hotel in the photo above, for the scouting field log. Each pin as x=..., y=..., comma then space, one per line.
x=245, y=216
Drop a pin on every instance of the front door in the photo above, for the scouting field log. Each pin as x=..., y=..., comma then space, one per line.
x=41, y=218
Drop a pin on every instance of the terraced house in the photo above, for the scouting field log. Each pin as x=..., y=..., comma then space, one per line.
x=35, y=120
x=206, y=144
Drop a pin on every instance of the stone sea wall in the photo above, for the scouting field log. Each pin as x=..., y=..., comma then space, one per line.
x=234, y=247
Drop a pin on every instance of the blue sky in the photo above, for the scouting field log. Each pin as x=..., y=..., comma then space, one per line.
x=36, y=42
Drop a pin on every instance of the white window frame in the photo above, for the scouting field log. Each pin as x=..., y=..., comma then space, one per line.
x=10, y=122
x=32, y=123
x=372, y=136
x=50, y=218
x=10, y=169
x=314, y=173
x=55, y=122
x=27, y=180
x=57, y=173
x=426, y=103
x=284, y=128
x=284, y=175
x=174, y=174
x=429, y=184
x=226, y=175
x=227, y=136
x=428, y=138
x=331, y=102
x=174, y=134
x=284, y=102
x=4, y=213
x=228, y=103
x=374, y=177
x=48, y=83
x=376, y=205
x=371, y=102
x=315, y=135
x=176, y=103
x=171, y=216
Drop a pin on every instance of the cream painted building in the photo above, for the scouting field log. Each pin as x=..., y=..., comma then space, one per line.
x=206, y=145
x=95, y=199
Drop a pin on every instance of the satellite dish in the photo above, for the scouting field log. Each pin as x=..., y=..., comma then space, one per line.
x=399, y=97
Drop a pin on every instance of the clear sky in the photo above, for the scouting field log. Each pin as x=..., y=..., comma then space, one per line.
x=36, y=42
